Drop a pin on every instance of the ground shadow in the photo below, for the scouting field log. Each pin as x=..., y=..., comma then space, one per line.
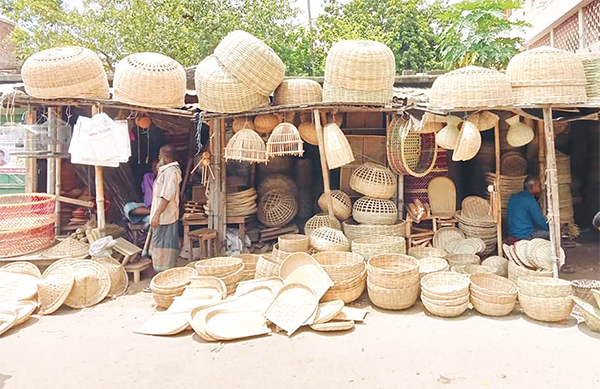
x=15, y=330
x=583, y=327
x=567, y=323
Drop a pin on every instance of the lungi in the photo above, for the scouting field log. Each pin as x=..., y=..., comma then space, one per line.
x=165, y=246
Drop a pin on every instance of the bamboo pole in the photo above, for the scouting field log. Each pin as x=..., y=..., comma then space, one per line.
x=31, y=162
x=217, y=183
x=552, y=190
x=50, y=165
x=57, y=170
x=99, y=183
x=497, y=188
x=324, y=167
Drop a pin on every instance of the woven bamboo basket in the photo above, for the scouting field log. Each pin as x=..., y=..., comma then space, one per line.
x=293, y=243
x=266, y=123
x=393, y=298
x=499, y=263
x=320, y=220
x=463, y=259
x=515, y=272
x=172, y=279
x=492, y=309
x=298, y=91
x=368, y=210
x=285, y=140
x=329, y=239
x=393, y=271
x=218, y=266
x=219, y=90
x=591, y=315
x=278, y=254
x=469, y=143
x=471, y=87
x=334, y=94
x=448, y=136
x=373, y=180
x=475, y=269
x=242, y=122
x=150, y=80
x=445, y=284
x=547, y=75
x=408, y=151
x=546, y=309
x=583, y=289
x=370, y=246
x=442, y=310
x=337, y=149
x=342, y=205
x=493, y=288
x=591, y=67
x=308, y=131
x=519, y=134
x=342, y=267
x=251, y=61
x=427, y=252
x=65, y=72
x=484, y=120
x=266, y=266
x=431, y=265
x=276, y=181
x=348, y=291
x=250, y=261
x=354, y=231
x=277, y=208
x=247, y=146
x=545, y=287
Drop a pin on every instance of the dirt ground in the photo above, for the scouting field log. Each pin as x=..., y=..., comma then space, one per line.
x=96, y=348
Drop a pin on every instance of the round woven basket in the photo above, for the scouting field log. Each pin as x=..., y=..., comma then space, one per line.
x=493, y=288
x=354, y=231
x=54, y=288
x=219, y=90
x=347, y=291
x=266, y=123
x=445, y=284
x=242, y=122
x=337, y=148
x=492, y=309
x=370, y=246
x=431, y=265
x=515, y=272
x=368, y=210
x=23, y=268
x=393, y=298
x=544, y=287
x=172, y=279
x=342, y=267
x=455, y=309
x=393, y=271
x=329, y=239
x=463, y=259
x=150, y=80
x=474, y=269
x=246, y=145
x=250, y=261
x=547, y=75
x=410, y=152
x=308, y=131
x=320, y=220
x=298, y=91
x=546, y=309
x=251, y=61
x=471, y=87
x=285, y=140
x=499, y=263
x=266, y=266
x=427, y=252
x=373, y=180
x=218, y=266
x=583, y=289
x=277, y=208
x=276, y=181
x=293, y=243
x=342, y=205
x=65, y=72
x=334, y=94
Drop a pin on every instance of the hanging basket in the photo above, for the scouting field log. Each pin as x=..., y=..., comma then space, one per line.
x=241, y=122
x=266, y=123
x=285, y=140
x=409, y=152
x=298, y=91
x=308, y=131
x=373, y=180
x=246, y=146
x=342, y=206
x=469, y=143
x=369, y=210
x=337, y=149
x=277, y=208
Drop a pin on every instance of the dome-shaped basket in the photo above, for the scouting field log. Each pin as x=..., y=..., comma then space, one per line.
x=329, y=239
x=410, y=152
x=65, y=72
x=320, y=220
x=368, y=210
x=277, y=208
x=266, y=123
x=335, y=94
x=246, y=145
x=251, y=61
x=150, y=80
x=298, y=91
x=361, y=65
x=308, y=131
x=285, y=140
x=471, y=87
x=547, y=75
x=374, y=180
x=241, y=122
x=337, y=148
x=219, y=90
x=342, y=205
x=276, y=181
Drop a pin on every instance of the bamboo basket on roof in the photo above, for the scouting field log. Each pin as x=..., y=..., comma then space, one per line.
x=410, y=152
x=246, y=145
x=337, y=149
x=298, y=91
x=333, y=93
x=285, y=140
x=448, y=136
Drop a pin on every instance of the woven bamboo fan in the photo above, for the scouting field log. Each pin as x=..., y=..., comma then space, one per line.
x=442, y=196
x=298, y=91
x=241, y=122
x=220, y=91
x=471, y=87
x=373, y=180
x=285, y=140
x=266, y=123
x=251, y=61
x=484, y=120
x=431, y=123
x=150, y=80
x=469, y=143
x=320, y=220
x=409, y=152
x=246, y=146
x=277, y=208
x=447, y=138
x=329, y=239
x=519, y=134
x=337, y=149
x=369, y=210
x=342, y=206
x=65, y=72
x=591, y=67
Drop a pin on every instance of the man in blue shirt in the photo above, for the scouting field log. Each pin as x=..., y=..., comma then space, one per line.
x=525, y=219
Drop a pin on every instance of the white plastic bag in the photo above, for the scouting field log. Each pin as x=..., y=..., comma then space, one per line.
x=102, y=247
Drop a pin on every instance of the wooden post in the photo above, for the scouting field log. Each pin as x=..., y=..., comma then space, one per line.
x=497, y=187
x=51, y=166
x=324, y=168
x=57, y=167
x=31, y=174
x=552, y=190
x=217, y=220
x=99, y=183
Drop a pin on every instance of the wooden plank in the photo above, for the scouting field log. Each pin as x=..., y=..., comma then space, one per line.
x=324, y=167
x=31, y=174
x=497, y=187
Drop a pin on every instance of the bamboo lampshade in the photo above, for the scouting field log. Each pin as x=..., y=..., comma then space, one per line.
x=337, y=148
x=65, y=72
x=547, y=75
x=150, y=80
x=285, y=140
x=251, y=61
x=246, y=145
x=374, y=180
x=220, y=91
x=277, y=208
x=298, y=91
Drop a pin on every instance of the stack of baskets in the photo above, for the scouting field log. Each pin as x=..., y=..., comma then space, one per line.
x=378, y=184
x=169, y=284
x=320, y=220
x=250, y=261
x=508, y=186
x=474, y=269
x=393, y=281
x=289, y=244
x=267, y=266
x=354, y=230
x=493, y=295
x=369, y=246
x=242, y=203
x=545, y=299
x=240, y=76
x=230, y=270
x=359, y=71
x=431, y=265
x=463, y=260
x=427, y=252
x=348, y=273
x=483, y=228
x=445, y=294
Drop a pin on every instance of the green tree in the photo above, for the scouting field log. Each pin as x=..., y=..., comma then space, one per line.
x=477, y=32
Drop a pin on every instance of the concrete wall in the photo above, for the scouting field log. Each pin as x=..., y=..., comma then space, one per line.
x=8, y=61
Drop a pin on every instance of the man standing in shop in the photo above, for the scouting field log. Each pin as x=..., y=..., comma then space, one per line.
x=164, y=212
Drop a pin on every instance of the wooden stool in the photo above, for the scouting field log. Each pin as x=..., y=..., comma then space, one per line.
x=419, y=236
x=137, y=268
x=203, y=235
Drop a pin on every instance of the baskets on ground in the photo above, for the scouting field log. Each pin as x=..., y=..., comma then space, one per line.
x=293, y=243
x=267, y=266
x=445, y=293
x=544, y=287
x=329, y=239
x=348, y=273
x=471, y=87
x=250, y=262
x=354, y=231
x=219, y=90
x=547, y=75
x=320, y=220
x=342, y=206
x=500, y=263
x=474, y=269
x=285, y=140
x=492, y=295
x=251, y=61
x=591, y=67
x=463, y=260
x=549, y=309
x=65, y=72
x=246, y=145
x=583, y=289
x=516, y=271
x=337, y=149
x=431, y=265
x=277, y=208
x=230, y=270
x=150, y=80
x=373, y=180
x=591, y=314
x=370, y=246
x=427, y=252
x=298, y=91
x=369, y=210
x=393, y=281
x=410, y=152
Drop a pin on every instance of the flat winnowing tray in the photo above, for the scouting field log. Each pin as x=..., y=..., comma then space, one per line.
x=23, y=309
x=164, y=323
x=54, y=288
x=333, y=326
x=327, y=311
x=349, y=313
x=235, y=324
x=446, y=234
x=187, y=304
x=7, y=319
x=292, y=307
x=304, y=269
x=17, y=286
x=274, y=283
